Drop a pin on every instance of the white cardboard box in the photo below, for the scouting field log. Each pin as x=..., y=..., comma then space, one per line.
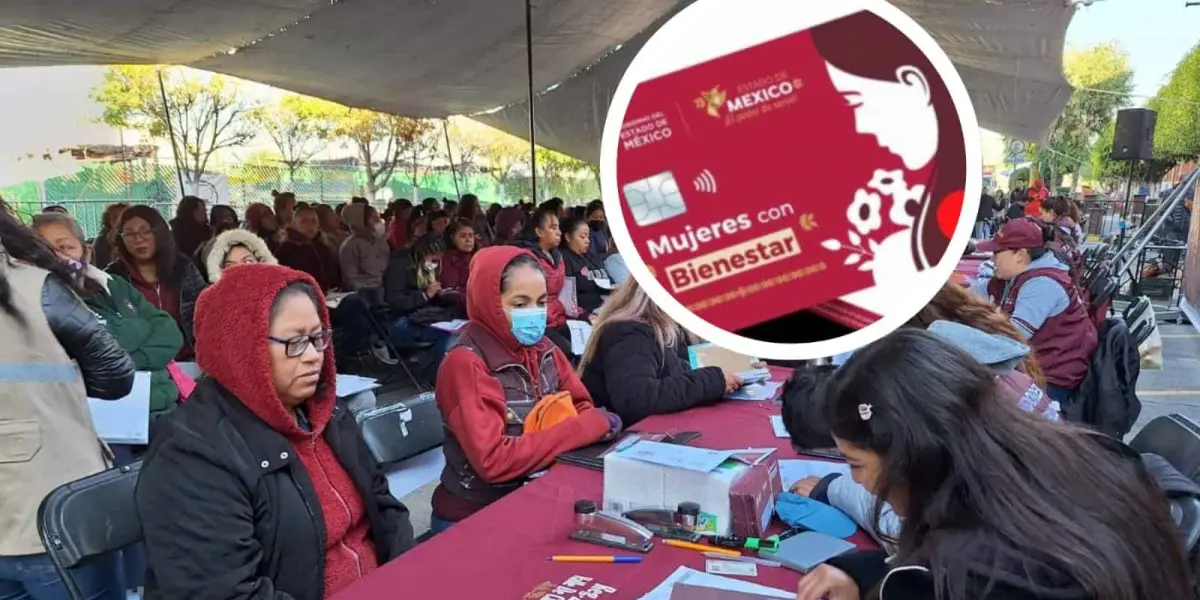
x=631, y=484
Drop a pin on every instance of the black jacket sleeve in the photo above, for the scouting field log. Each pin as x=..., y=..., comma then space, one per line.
x=397, y=535
x=189, y=290
x=107, y=369
x=400, y=287
x=204, y=545
x=866, y=568
x=631, y=360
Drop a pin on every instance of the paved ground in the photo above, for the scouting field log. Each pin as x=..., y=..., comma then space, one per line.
x=1174, y=389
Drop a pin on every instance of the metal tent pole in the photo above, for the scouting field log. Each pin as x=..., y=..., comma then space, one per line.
x=450, y=156
x=1125, y=207
x=529, y=73
x=162, y=89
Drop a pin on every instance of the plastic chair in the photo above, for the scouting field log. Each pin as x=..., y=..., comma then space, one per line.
x=89, y=518
x=1174, y=437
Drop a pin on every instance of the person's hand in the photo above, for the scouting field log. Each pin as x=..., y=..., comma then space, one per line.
x=805, y=486
x=433, y=289
x=827, y=583
x=592, y=318
x=732, y=382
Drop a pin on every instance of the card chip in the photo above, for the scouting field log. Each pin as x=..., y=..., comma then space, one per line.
x=654, y=199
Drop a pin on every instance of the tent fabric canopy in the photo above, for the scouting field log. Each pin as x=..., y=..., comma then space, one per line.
x=432, y=58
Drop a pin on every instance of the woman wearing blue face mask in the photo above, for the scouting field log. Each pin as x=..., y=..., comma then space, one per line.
x=497, y=370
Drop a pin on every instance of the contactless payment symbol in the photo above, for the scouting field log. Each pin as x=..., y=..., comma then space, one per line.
x=825, y=151
x=654, y=199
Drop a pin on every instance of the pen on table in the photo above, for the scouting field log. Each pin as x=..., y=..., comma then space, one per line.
x=596, y=559
x=700, y=547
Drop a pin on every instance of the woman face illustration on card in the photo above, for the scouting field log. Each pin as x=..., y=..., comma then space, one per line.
x=907, y=213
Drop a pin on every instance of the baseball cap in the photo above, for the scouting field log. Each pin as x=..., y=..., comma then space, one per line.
x=1014, y=235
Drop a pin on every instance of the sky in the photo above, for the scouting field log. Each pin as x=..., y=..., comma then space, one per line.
x=47, y=108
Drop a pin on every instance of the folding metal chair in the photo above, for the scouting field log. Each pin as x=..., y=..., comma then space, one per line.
x=89, y=518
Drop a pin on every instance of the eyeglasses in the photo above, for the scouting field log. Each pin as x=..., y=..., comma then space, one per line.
x=142, y=234
x=296, y=346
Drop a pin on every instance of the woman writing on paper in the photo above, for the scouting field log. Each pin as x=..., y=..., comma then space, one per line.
x=632, y=364
x=260, y=485
x=995, y=504
x=509, y=397
x=54, y=353
x=411, y=289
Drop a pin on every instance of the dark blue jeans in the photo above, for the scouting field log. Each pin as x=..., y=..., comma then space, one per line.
x=438, y=524
x=32, y=577
x=1060, y=395
x=405, y=331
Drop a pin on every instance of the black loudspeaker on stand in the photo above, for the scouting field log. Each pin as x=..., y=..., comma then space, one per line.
x=1133, y=140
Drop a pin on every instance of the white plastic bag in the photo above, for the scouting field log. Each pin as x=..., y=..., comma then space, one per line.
x=1151, y=351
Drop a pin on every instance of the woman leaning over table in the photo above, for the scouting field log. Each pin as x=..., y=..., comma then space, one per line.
x=54, y=353
x=499, y=368
x=260, y=485
x=633, y=365
x=996, y=504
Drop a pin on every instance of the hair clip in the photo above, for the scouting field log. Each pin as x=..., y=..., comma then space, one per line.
x=864, y=411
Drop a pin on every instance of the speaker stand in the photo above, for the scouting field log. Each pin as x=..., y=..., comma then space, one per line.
x=1128, y=199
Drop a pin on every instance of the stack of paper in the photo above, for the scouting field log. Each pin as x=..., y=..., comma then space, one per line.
x=756, y=391
x=791, y=471
x=694, y=578
x=691, y=458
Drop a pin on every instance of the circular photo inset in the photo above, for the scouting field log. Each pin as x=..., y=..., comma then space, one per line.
x=791, y=180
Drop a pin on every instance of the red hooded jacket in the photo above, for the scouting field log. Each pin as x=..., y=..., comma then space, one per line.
x=472, y=400
x=232, y=347
x=1037, y=193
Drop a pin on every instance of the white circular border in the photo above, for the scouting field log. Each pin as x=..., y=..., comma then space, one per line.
x=727, y=27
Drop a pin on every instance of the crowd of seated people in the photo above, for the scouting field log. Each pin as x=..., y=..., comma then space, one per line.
x=960, y=457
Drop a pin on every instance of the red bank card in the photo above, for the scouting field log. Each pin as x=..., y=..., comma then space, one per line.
x=737, y=176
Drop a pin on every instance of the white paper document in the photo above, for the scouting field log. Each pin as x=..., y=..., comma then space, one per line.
x=348, y=385
x=127, y=420
x=332, y=300
x=756, y=391
x=778, y=426
x=691, y=458
x=699, y=579
x=793, y=470
x=451, y=326
x=581, y=332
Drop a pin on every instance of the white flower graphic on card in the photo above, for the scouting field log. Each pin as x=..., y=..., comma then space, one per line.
x=864, y=212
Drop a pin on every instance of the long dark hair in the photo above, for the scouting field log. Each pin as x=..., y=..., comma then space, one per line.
x=165, y=254
x=539, y=218
x=568, y=226
x=974, y=477
x=18, y=242
x=1062, y=206
x=468, y=207
x=185, y=212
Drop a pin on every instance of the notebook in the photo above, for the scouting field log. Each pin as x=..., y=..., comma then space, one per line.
x=807, y=550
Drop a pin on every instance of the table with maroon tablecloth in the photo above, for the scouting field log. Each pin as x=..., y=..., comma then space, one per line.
x=501, y=552
x=967, y=269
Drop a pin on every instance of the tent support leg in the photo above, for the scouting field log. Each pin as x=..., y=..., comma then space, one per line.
x=450, y=156
x=162, y=89
x=529, y=73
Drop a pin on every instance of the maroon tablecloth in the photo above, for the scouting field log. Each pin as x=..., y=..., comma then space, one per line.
x=501, y=553
x=967, y=270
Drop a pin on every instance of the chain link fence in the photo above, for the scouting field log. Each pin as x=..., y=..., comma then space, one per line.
x=87, y=192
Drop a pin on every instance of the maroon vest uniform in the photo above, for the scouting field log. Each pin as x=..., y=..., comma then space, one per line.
x=521, y=393
x=1065, y=342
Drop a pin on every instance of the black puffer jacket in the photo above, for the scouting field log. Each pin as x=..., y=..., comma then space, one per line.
x=216, y=473
x=585, y=269
x=107, y=369
x=631, y=374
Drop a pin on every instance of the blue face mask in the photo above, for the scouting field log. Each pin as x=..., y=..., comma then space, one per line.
x=528, y=324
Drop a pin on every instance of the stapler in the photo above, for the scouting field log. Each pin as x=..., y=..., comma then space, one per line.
x=678, y=524
x=608, y=529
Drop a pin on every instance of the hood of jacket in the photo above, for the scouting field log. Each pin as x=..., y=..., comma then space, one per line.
x=227, y=241
x=532, y=246
x=483, y=300
x=1000, y=353
x=232, y=324
x=355, y=217
x=98, y=275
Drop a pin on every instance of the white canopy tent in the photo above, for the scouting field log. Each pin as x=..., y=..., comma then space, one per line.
x=433, y=58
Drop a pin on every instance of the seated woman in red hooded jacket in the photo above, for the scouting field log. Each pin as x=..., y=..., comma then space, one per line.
x=260, y=485
x=491, y=384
